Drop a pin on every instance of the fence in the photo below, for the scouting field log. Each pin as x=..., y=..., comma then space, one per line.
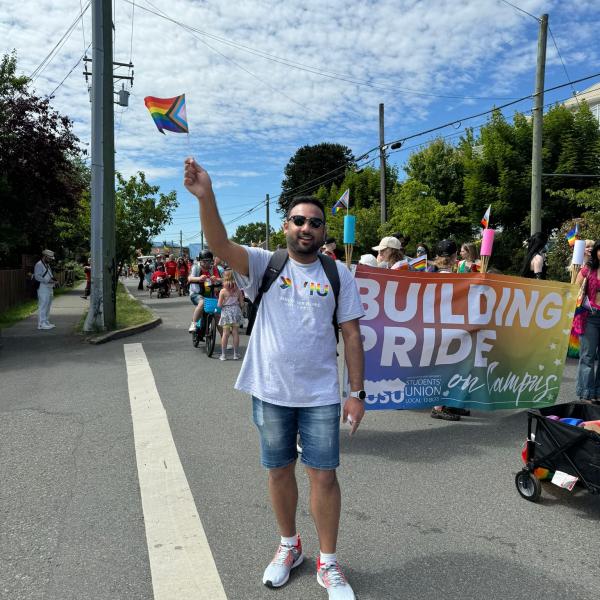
x=14, y=288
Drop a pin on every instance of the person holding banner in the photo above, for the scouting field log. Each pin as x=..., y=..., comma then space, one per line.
x=445, y=262
x=389, y=252
x=534, y=265
x=290, y=370
x=470, y=258
x=588, y=371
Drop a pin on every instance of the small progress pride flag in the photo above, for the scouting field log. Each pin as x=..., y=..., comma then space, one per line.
x=342, y=203
x=419, y=263
x=168, y=113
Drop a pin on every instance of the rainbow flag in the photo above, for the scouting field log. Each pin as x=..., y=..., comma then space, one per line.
x=342, y=203
x=572, y=235
x=419, y=263
x=485, y=221
x=168, y=113
x=574, y=345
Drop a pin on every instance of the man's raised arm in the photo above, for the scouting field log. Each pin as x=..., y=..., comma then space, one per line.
x=197, y=182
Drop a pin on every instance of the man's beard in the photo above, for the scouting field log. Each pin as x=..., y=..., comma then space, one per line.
x=309, y=249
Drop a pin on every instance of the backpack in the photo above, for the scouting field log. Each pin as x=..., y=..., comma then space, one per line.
x=274, y=268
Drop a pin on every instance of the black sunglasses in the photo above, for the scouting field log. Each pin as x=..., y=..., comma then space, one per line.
x=299, y=220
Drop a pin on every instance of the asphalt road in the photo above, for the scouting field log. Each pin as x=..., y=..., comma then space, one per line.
x=430, y=508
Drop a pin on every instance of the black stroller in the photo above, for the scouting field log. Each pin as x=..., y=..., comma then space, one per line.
x=556, y=446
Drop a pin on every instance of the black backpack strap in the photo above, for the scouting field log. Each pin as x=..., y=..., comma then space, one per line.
x=275, y=266
x=333, y=275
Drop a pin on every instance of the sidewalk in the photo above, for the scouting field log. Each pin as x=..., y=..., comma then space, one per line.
x=65, y=313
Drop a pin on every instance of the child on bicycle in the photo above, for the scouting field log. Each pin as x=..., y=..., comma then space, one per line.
x=231, y=301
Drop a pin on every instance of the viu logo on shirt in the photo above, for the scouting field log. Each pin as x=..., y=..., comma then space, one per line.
x=321, y=289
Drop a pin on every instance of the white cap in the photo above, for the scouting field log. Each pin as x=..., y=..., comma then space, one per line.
x=388, y=242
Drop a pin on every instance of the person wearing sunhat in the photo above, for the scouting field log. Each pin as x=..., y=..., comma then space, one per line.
x=43, y=275
x=389, y=252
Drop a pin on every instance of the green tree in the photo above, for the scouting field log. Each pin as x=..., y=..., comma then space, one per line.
x=417, y=212
x=40, y=168
x=251, y=233
x=559, y=257
x=141, y=213
x=313, y=166
x=440, y=167
x=497, y=171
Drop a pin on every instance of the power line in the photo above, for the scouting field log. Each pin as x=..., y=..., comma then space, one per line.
x=487, y=112
x=131, y=42
x=82, y=25
x=563, y=64
x=230, y=60
x=311, y=69
x=51, y=94
x=520, y=9
x=48, y=59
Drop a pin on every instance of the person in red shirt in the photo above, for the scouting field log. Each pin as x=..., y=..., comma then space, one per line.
x=329, y=248
x=87, y=269
x=171, y=269
x=160, y=279
x=183, y=271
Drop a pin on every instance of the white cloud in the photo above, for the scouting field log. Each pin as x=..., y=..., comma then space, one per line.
x=218, y=185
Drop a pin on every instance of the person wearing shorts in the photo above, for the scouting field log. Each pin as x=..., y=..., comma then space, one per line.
x=291, y=373
x=231, y=300
x=202, y=278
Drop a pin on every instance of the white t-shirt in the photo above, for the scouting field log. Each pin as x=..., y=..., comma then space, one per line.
x=291, y=358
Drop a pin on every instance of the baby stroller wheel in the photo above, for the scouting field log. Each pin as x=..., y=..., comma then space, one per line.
x=528, y=485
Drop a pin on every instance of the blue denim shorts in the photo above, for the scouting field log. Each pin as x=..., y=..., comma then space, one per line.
x=195, y=298
x=318, y=426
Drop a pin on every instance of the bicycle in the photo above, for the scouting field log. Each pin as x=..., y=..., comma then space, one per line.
x=206, y=326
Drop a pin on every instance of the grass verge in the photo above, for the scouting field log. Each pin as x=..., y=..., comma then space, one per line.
x=21, y=311
x=130, y=312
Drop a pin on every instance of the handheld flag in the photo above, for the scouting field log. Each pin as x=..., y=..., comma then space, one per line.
x=168, y=113
x=485, y=221
x=419, y=263
x=342, y=203
x=572, y=235
x=402, y=265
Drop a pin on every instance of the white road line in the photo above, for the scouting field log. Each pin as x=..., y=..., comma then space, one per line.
x=181, y=562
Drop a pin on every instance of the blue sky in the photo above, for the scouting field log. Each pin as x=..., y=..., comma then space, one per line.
x=264, y=78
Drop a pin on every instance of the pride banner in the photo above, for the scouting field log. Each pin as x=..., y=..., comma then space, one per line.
x=471, y=340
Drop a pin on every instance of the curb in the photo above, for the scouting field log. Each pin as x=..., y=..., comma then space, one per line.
x=121, y=333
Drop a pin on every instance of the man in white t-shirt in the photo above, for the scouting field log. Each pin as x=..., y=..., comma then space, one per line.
x=290, y=369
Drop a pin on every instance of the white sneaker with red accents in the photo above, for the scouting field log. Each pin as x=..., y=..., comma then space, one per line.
x=286, y=558
x=330, y=576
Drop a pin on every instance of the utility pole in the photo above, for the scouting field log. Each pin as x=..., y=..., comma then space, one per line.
x=382, y=166
x=102, y=314
x=201, y=240
x=538, y=120
x=267, y=238
x=180, y=243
